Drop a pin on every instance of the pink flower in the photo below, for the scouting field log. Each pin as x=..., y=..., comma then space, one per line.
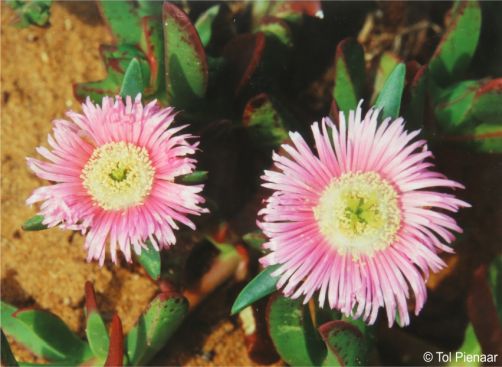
x=113, y=169
x=361, y=221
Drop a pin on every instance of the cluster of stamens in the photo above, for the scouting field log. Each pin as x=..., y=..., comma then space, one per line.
x=118, y=175
x=358, y=214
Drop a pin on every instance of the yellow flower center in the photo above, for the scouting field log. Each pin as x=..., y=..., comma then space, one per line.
x=118, y=175
x=358, y=213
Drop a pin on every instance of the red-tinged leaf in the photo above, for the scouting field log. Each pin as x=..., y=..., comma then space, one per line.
x=185, y=59
x=116, y=350
x=345, y=341
x=117, y=59
x=243, y=55
x=154, y=328
x=483, y=313
x=153, y=44
x=277, y=28
x=458, y=44
x=469, y=108
x=90, y=298
x=293, y=333
x=350, y=74
x=265, y=123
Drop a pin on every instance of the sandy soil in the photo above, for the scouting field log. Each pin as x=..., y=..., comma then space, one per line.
x=47, y=269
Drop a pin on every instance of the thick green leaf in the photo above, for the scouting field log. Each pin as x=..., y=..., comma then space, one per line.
x=117, y=59
x=97, y=335
x=467, y=104
x=155, y=327
x=453, y=106
x=390, y=97
x=132, y=84
x=124, y=18
x=196, y=177
x=150, y=260
x=44, y=334
x=470, y=346
x=293, y=333
x=8, y=359
x=344, y=341
x=266, y=124
x=457, y=47
x=34, y=224
x=153, y=45
x=185, y=59
x=204, y=24
x=388, y=62
x=260, y=286
x=350, y=75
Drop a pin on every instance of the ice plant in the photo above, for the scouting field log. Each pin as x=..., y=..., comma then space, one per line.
x=113, y=169
x=362, y=221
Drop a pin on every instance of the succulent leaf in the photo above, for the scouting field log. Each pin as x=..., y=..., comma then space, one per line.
x=458, y=44
x=260, y=286
x=116, y=347
x=293, y=333
x=388, y=62
x=150, y=260
x=97, y=335
x=44, y=334
x=117, y=59
x=389, y=99
x=155, y=327
x=204, y=24
x=7, y=357
x=472, y=109
x=196, y=177
x=266, y=124
x=35, y=223
x=132, y=84
x=185, y=59
x=346, y=342
x=350, y=74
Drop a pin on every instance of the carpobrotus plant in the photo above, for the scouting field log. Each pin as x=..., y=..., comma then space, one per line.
x=357, y=218
x=114, y=169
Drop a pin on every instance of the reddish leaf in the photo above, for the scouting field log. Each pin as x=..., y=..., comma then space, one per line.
x=116, y=351
x=243, y=54
x=185, y=59
x=90, y=298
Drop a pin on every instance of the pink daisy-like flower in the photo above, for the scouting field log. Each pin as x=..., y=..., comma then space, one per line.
x=359, y=221
x=113, y=169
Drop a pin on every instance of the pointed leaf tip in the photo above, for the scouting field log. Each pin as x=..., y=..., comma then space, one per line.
x=260, y=286
x=150, y=260
x=35, y=223
x=133, y=82
x=389, y=99
x=116, y=349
